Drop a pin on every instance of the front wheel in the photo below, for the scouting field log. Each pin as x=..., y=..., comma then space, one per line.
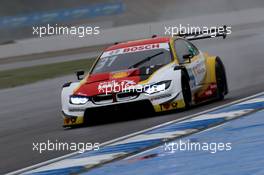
x=221, y=81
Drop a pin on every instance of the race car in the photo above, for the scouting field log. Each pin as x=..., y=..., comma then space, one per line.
x=155, y=74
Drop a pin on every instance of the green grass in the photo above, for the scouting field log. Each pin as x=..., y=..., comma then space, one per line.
x=27, y=75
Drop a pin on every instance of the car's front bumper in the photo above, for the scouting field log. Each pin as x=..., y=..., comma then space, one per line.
x=140, y=106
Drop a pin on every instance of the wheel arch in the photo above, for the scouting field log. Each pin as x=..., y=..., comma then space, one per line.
x=211, y=62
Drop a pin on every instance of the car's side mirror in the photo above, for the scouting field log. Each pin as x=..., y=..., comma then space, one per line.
x=80, y=74
x=187, y=57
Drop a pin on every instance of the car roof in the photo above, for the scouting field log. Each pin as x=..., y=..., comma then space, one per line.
x=139, y=42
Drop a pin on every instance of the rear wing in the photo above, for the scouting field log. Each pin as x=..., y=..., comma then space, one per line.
x=213, y=33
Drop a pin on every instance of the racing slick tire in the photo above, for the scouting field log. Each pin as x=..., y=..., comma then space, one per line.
x=221, y=81
x=186, y=91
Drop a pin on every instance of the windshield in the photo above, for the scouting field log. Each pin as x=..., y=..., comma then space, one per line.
x=119, y=60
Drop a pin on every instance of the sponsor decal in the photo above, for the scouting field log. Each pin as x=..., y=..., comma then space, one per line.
x=70, y=120
x=119, y=74
x=138, y=48
x=168, y=106
x=208, y=92
x=211, y=90
x=141, y=48
x=199, y=68
x=213, y=86
x=114, y=52
x=160, y=97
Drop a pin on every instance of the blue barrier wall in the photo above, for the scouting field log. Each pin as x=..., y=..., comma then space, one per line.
x=63, y=15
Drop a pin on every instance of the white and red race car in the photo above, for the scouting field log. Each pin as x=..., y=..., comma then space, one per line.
x=156, y=74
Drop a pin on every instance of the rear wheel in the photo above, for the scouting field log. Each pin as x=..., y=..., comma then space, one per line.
x=221, y=82
x=186, y=92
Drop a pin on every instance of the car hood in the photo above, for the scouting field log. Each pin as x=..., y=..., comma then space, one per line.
x=102, y=83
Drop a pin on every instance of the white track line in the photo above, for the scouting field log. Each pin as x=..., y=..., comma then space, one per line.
x=132, y=134
x=149, y=150
x=67, y=163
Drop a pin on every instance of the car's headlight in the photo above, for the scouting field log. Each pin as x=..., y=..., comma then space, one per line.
x=157, y=87
x=78, y=100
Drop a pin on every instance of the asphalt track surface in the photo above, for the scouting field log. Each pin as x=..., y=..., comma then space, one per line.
x=31, y=113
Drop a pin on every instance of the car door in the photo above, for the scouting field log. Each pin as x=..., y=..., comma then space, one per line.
x=194, y=61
